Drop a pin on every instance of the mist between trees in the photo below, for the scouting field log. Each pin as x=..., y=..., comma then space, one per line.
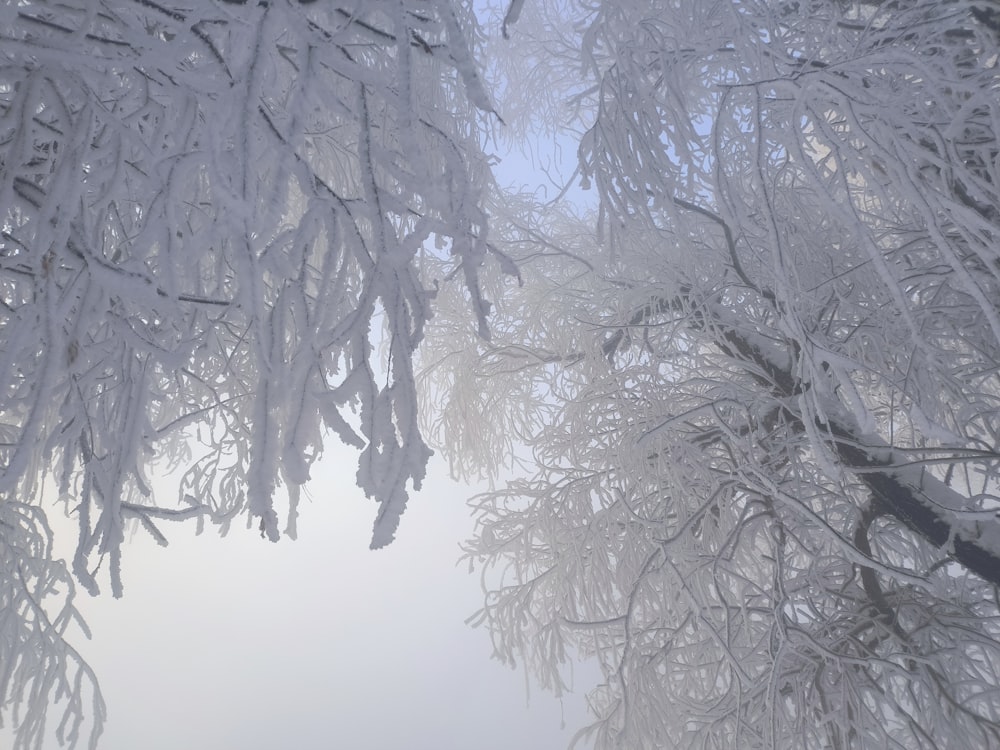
x=753, y=399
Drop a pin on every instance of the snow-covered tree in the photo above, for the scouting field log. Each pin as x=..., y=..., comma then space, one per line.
x=758, y=397
x=211, y=216
x=763, y=399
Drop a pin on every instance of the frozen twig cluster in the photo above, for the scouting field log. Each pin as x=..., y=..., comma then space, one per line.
x=211, y=215
x=767, y=489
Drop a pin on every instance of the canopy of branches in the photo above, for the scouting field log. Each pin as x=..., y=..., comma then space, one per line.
x=751, y=403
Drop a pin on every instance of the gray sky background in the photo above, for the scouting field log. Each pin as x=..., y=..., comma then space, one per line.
x=316, y=643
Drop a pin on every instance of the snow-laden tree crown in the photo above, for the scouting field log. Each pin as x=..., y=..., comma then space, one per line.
x=751, y=405
x=211, y=219
x=762, y=397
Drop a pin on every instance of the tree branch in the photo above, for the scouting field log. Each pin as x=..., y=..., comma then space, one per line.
x=895, y=495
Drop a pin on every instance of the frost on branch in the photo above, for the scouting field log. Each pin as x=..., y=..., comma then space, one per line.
x=36, y=611
x=211, y=219
x=767, y=489
x=211, y=224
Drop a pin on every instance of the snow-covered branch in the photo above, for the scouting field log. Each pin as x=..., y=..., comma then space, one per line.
x=212, y=218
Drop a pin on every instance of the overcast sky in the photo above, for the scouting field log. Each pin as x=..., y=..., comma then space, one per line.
x=316, y=643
